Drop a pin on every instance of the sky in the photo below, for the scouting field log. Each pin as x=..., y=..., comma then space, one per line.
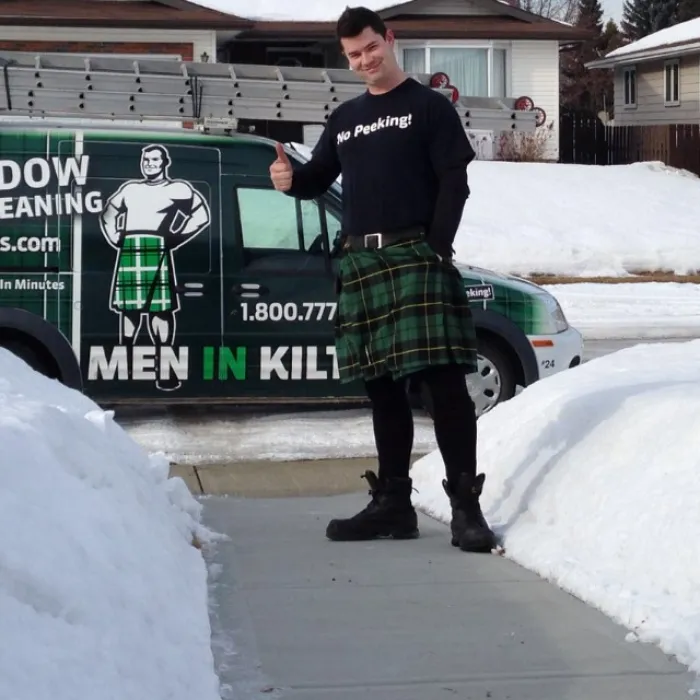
x=612, y=9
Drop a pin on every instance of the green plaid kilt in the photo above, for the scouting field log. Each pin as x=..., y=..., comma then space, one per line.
x=400, y=310
x=143, y=277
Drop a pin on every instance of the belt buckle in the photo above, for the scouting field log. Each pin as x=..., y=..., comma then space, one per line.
x=375, y=236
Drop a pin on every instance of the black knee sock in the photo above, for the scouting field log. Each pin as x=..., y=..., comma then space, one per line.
x=392, y=420
x=454, y=415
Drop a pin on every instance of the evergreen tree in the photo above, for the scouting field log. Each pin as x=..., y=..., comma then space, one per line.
x=688, y=9
x=664, y=13
x=589, y=15
x=643, y=17
x=636, y=19
x=584, y=90
x=612, y=37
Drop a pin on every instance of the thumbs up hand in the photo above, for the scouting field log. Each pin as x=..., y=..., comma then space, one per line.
x=281, y=170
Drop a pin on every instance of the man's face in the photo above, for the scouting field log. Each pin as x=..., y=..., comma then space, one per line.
x=152, y=164
x=370, y=55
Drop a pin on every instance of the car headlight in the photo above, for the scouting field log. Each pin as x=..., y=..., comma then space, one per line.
x=555, y=312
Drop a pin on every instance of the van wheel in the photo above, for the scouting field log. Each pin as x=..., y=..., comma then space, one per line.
x=493, y=383
x=32, y=354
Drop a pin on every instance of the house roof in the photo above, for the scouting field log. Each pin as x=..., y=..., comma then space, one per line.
x=460, y=27
x=683, y=38
x=503, y=22
x=498, y=19
x=151, y=14
x=291, y=10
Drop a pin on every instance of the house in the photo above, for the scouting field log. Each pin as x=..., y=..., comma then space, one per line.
x=487, y=47
x=174, y=28
x=657, y=78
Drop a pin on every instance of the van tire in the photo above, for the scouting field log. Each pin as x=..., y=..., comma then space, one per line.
x=492, y=358
x=32, y=352
x=499, y=359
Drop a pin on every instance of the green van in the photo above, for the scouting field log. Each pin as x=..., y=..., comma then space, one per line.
x=162, y=267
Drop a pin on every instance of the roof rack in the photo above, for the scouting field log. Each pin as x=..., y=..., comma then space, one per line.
x=207, y=95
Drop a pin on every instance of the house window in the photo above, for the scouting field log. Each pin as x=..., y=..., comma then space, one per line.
x=478, y=72
x=630, y=87
x=671, y=83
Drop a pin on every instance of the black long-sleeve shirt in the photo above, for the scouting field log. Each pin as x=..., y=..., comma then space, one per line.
x=403, y=156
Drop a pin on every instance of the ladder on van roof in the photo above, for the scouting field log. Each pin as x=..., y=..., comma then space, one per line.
x=209, y=95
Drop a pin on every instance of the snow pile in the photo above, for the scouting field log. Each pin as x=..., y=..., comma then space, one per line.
x=309, y=11
x=576, y=219
x=102, y=594
x=631, y=310
x=685, y=31
x=592, y=480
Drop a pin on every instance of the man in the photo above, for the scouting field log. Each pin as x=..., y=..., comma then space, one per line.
x=403, y=313
x=145, y=220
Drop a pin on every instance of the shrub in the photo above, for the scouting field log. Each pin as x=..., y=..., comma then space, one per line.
x=525, y=146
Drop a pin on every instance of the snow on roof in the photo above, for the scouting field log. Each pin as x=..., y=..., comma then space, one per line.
x=309, y=11
x=679, y=33
x=283, y=10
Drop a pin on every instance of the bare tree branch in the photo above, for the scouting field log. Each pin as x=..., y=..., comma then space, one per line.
x=561, y=10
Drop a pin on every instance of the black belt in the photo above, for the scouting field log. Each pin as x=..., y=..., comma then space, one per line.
x=373, y=241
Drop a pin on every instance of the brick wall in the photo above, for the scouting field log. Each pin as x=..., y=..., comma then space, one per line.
x=186, y=50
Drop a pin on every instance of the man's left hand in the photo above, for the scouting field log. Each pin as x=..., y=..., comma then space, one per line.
x=445, y=255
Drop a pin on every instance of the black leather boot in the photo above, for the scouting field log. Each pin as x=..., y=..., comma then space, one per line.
x=470, y=531
x=390, y=513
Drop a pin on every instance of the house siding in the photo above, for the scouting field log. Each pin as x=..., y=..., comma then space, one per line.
x=650, y=107
x=534, y=71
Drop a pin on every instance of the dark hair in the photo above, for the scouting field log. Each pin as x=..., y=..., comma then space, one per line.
x=161, y=149
x=355, y=20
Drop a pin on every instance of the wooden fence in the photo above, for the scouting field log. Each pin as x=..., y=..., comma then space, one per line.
x=586, y=140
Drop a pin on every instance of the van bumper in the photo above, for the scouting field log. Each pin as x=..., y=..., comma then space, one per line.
x=556, y=353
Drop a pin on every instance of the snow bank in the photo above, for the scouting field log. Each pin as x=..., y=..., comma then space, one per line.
x=577, y=220
x=102, y=594
x=685, y=31
x=592, y=479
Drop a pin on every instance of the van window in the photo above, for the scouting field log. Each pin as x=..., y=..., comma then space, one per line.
x=273, y=220
x=334, y=226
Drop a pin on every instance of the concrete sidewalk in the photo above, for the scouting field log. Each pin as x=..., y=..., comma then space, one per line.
x=296, y=616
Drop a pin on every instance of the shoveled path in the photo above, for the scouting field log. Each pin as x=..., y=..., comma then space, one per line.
x=296, y=616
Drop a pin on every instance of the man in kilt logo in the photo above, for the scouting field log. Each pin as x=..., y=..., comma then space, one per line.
x=145, y=220
x=403, y=312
